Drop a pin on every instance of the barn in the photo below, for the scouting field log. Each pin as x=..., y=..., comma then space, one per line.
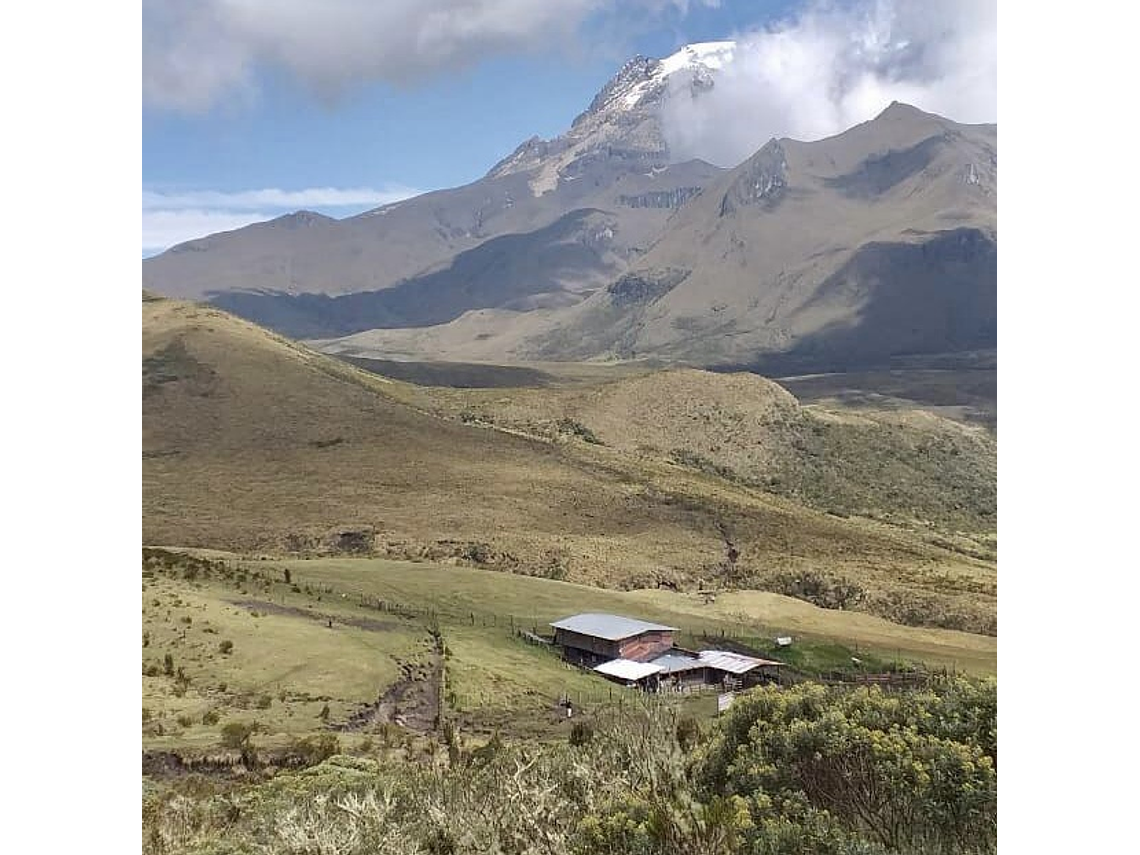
x=591, y=639
x=638, y=653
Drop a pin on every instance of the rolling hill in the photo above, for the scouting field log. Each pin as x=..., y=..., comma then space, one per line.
x=909, y=467
x=252, y=442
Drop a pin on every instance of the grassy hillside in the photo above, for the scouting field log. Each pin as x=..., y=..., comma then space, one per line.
x=900, y=465
x=254, y=443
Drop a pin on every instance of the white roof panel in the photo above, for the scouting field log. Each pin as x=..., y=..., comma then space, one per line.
x=627, y=669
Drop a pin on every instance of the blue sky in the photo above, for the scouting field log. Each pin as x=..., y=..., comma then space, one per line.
x=254, y=108
x=383, y=139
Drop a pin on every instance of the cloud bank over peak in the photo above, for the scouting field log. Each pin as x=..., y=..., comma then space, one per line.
x=833, y=66
x=197, y=53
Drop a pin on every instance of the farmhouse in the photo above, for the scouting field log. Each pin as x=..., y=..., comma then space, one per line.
x=637, y=653
x=590, y=639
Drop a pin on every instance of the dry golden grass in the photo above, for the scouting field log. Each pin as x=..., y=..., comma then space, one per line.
x=909, y=467
x=254, y=443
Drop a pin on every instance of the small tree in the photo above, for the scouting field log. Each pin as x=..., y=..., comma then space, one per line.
x=168, y=665
x=236, y=734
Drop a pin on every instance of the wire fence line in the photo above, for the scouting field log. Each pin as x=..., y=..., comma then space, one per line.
x=751, y=637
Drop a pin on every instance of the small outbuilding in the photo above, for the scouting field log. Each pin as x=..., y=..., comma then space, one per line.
x=725, y=666
x=681, y=670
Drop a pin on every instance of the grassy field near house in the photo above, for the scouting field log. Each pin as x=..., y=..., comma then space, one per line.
x=488, y=595
x=285, y=665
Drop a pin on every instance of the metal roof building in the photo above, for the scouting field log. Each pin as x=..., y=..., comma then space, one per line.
x=609, y=627
x=592, y=638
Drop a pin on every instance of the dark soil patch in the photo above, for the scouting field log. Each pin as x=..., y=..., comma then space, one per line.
x=413, y=702
x=457, y=375
x=367, y=624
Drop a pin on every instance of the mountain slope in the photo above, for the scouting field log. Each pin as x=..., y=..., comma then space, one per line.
x=253, y=443
x=876, y=242
x=613, y=158
x=552, y=266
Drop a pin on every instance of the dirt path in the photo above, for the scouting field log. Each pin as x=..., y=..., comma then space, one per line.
x=413, y=702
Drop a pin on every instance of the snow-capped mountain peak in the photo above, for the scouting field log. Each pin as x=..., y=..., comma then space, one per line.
x=643, y=80
x=622, y=123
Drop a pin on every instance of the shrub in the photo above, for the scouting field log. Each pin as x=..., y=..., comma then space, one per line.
x=168, y=665
x=479, y=553
x=581, y=733
x=818, y=589
x=264, y=702
x=312, y=750
x=152, y=670
x=573, y=428
x=226, y=647
x=440, y=842
x=146, y=639
x=390, y=735
x=210, y=718
x=484, y=754
x=236, y=734
x=146, y=714
x=323, y=715
x=185, y=721
x=688, y=733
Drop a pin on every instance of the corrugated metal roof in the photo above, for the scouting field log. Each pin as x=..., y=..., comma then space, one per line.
x=672, y=662
x=734, y=663
x=627, y=669
x=609, y=627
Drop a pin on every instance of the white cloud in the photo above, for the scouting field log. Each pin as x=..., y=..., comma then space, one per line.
x=833, y=66
x=197, y=52
x=172, y=217
x=313, y=197
x=162, y=229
